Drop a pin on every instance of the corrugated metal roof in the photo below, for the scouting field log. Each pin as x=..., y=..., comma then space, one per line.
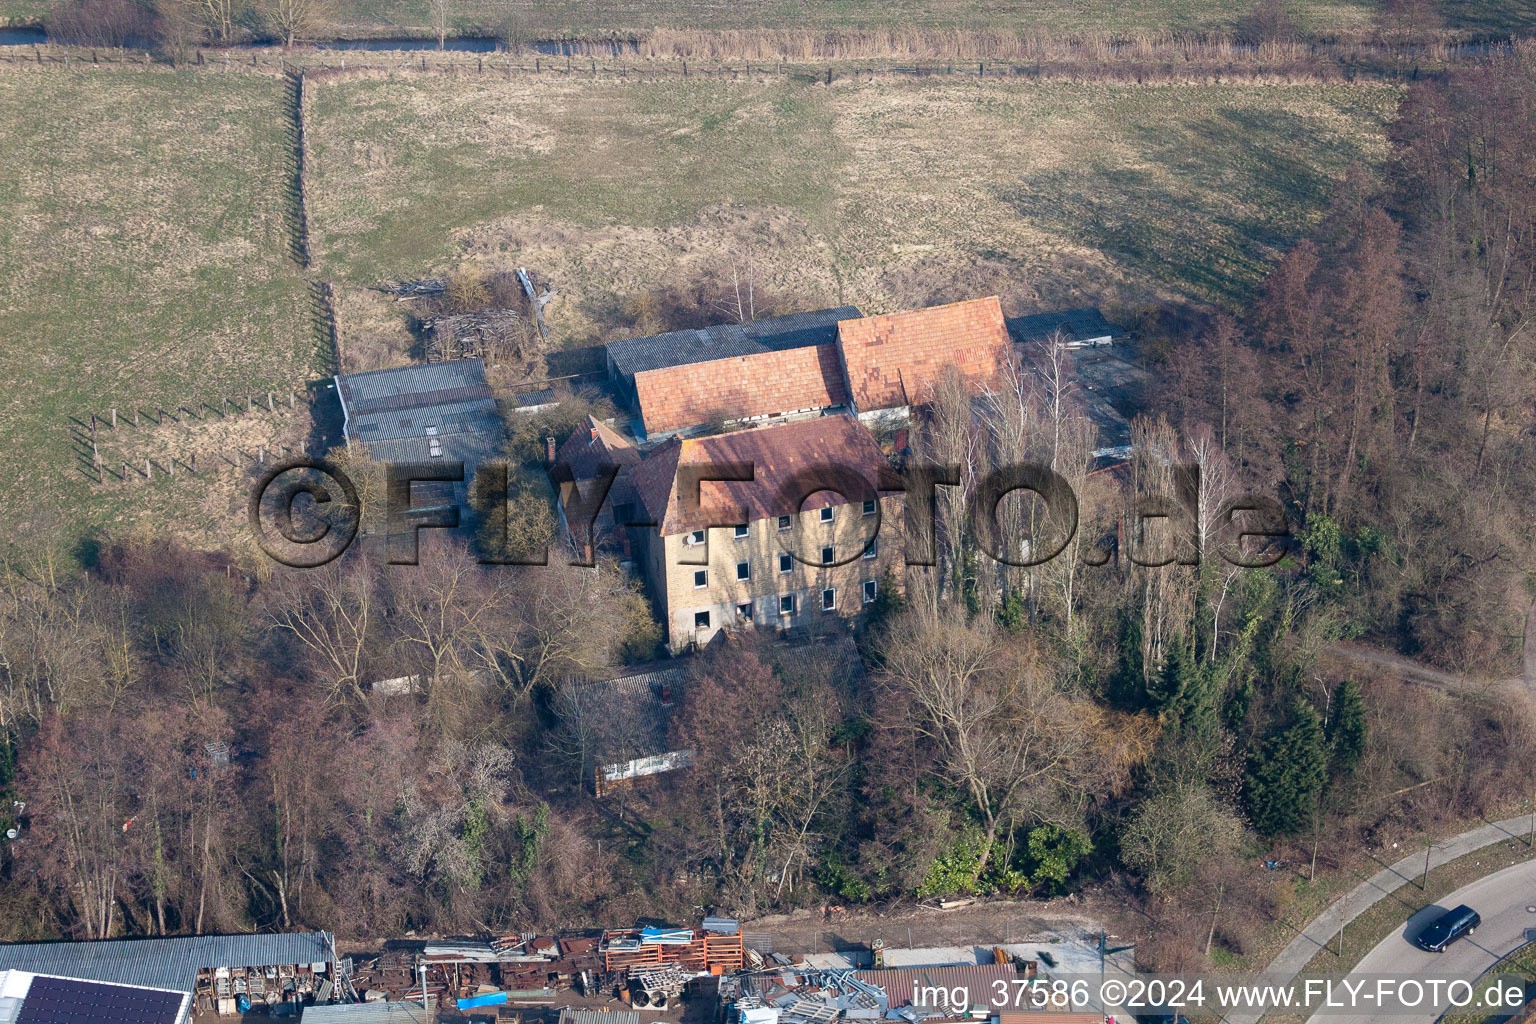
x=627, y=717
x=678, y=348
x=1078, y=324
x=599, y=1017
x=164, y=963
x=381, y=389
x=366, y=1013
x=398, y=413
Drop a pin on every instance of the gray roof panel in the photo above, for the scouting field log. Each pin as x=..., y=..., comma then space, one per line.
x=367, y=1013
x=1078, y=324
x=390, y=411
x=772, y=334
x=164, y=963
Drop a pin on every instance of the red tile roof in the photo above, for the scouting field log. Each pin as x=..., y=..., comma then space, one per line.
x=595, y=444
x=779, y=455
x=894, y=360
x=737, y=387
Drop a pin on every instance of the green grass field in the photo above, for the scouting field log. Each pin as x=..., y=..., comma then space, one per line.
x=143, y=258
x=887, y=194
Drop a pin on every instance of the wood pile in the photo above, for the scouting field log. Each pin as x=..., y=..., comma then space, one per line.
x=489, y=334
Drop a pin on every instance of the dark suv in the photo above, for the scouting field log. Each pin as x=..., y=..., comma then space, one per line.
x=1447, y=928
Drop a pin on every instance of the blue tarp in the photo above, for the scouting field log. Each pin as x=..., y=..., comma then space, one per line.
x=666, y=936
x=494, y=999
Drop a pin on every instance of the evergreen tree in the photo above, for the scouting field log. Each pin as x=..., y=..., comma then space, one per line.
x=1184, y=693
x=1346, y=727
x=1286, y=776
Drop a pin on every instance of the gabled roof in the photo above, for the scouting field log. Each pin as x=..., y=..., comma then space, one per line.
x=803, y=380
x=593, y=445
x=677, y=348
x=1085, y=324
x=590, y=450
x=894, y=360
x=778, y=455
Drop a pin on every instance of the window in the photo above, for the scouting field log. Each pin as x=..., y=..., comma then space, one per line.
x=829, y=599
x=826, y=514
x=743, y=570
x=786, y=563
x=744, y=611
x=695, y=538
x=434, y=448
x=700, y=579
x=826, y=556
x=783, y=524
x=787, y=604
x=869, y=508
x=701, y=620
x=873, y=551
x=870, y=590
x=741, y=531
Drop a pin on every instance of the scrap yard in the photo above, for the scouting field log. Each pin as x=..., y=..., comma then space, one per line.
x=713, y=973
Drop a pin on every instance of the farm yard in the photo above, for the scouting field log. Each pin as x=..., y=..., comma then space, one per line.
x=149, y=221
x=887, y=194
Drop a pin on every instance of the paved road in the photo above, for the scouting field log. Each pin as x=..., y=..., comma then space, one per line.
x=1501, y=898
x=1322, y=929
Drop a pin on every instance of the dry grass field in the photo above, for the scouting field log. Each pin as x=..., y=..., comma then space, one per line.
x=144, y=222
x=540, y=18
x=887, y=194
x=143, y=261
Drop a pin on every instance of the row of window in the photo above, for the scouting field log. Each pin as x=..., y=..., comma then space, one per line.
x=743, y=530
x=869, y=589
x=786, y=564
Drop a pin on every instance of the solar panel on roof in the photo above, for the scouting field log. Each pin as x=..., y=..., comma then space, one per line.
x=68, y=1001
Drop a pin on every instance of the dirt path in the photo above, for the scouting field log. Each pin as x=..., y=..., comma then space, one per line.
x=918, y=927
x=1529, y=660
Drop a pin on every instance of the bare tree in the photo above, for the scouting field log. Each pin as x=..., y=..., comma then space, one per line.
x=297, y=19
x=441, y=13
x=331, y=612
x=998, y=728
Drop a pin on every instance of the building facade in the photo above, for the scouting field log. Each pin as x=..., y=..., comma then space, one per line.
x=794, y=566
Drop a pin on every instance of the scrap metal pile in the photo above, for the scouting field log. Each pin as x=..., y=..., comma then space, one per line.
x=528, y=969
x=814, y=997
